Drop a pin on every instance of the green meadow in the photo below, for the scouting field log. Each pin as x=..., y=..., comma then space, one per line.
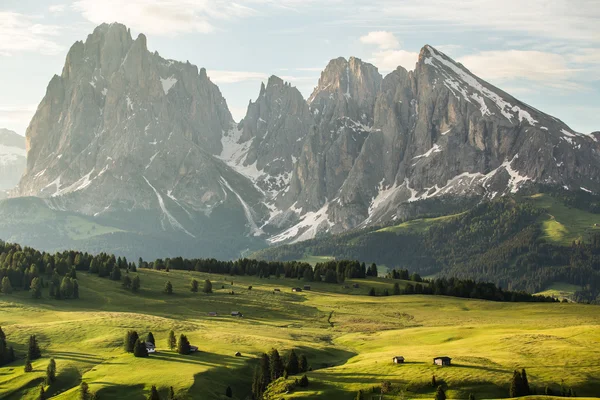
x=348, y=337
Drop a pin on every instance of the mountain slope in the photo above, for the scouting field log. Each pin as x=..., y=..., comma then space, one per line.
x=521, y=242
x=434, y=131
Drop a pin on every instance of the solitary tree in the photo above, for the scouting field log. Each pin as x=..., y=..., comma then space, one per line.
x=207, y=286
x=359, y=395
x=126, y=282
x=194, y=286
x=140, y=349
x=525, y=391
x=150, y=338
x=516, y=385
x=396, y=289
x=28, y=366
x=440, y=394
x=51, y=372
x=172, y=340
x=372, y=292
x=153, y=394
x=135, y=283
x=171, y=394
x=131, y=338
x=183, y=346
x=84, y=391
x=433, y=381
x=303, y=381
x=6, y=286
x=228, y=392
x=168, y=288
x=33, y=350
x=42, y=395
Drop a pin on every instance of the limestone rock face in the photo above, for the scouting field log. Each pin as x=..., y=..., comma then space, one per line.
x=124, y=129
x=141, y=143
x=438, y=130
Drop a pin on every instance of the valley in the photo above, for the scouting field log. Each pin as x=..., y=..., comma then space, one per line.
x=486, y=340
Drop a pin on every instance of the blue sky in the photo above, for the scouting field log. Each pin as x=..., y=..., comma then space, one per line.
x=544, y=52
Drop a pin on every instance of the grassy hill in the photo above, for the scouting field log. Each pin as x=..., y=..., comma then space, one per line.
x=522, y=242
x=349, y=339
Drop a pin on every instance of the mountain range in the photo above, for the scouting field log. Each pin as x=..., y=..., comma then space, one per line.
x=12, y=158
x=135, y=154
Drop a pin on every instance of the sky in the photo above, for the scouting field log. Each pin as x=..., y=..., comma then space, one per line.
x=544, y=52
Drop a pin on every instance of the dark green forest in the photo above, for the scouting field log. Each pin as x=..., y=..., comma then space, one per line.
x=499, y=241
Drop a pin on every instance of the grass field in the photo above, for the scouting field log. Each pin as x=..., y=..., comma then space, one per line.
x=349, y=339
x=562, y=224
x=420, y=225
x=560, y=290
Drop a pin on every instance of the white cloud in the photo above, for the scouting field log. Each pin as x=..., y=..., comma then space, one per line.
x=389, y=60
x=163, y=17
x=217, y=76
x=57, y=8
x=16, y=117
x=19, y=32
x=558, y=71
x=389, y=57
x=563, y=19
x=384, y=40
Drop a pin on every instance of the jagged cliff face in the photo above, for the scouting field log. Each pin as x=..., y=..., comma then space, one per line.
x=12, y=158
x=124, y=129
x=437, y=130
x=125, y=132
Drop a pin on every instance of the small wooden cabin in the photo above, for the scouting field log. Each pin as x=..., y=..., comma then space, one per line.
x=306, y=287
x=398, y=360
x=212, y=314
x=443, y=361
x=296, y=289
x=236, y=314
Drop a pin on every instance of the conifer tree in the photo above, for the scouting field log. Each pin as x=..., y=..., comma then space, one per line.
x=126, y=282
x=36, y=288
x=135, y=283
x=524, y=384
x=6, y=286
x=396, y=289
x=194, y=286
x=516, y=385
x=168, y=288
x=84, y=391
x=140, y=349
x=228, y=392
x=52, y=289
x=115, y=274
x=42, y=395
x=275, y=364
x=292, y=363
x=303, y=381
x=359, y=395
x=372, y=292
x=131, y=338
x=172, y=341
x=75, y=289
x=28, y=366
x=440, y=394
x=171, y=394
x=153, y=394
x=51, y=372
x=303, y=363
x=471, y=396
x=151, y=338
x=207, y=286
x=433, y=381
x=183, y=345
x=33, y=349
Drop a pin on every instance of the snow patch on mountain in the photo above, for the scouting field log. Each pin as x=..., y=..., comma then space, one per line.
x=254, y=229
x=166, y=214
x=311, y=223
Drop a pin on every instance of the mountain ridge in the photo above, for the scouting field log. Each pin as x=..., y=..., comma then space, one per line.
x=124, y=130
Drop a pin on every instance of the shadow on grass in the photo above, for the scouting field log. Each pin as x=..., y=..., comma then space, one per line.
x=130, y=392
